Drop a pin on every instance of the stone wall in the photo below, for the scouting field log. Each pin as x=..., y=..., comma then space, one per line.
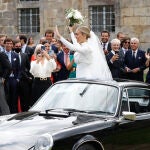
x=135, y=20
x=132, y=17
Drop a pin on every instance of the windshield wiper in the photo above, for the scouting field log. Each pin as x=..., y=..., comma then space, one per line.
x=55, y=113
x=99, y=112
x=84, y=91
x=71, y=110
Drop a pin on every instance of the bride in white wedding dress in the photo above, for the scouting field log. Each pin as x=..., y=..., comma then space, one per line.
x=89, y=55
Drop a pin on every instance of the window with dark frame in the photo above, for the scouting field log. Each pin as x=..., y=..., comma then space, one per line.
x=29, y=20
x=102, y=17
x=27, y=0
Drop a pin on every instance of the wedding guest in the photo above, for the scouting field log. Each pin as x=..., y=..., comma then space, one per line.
x=5, y=70
x=59, y=46
x=88, y=56
x=125, y=46
x=62, y=57
x=114, y=59
x=42, y=39
x=30, y=42
x=135, y=61
x=2, y=38
x=11, y=83
x=120, y=36
x=25, y=78
x=47, y=48
x=71, y=66
x=26, y=49
x=104, y=38
x=54, y=41
x=41, y=69
x=49, y=35
x=147, y=55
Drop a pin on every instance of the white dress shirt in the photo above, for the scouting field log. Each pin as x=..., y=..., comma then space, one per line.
x=42, y=70
x=23, y=48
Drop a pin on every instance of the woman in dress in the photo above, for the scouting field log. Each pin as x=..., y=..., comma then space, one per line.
x=89, y=56
x=30, y=42
x=41, y=69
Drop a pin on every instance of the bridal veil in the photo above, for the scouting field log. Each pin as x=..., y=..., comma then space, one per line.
x=100, y=69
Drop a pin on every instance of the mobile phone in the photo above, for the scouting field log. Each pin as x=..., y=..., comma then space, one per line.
x=148, y=50
x=42, y=47
x=117, y=52
x=51, y=52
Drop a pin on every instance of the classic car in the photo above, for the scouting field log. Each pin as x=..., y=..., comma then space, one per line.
x=82, y=114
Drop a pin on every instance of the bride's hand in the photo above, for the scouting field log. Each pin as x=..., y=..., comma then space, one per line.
x=57, y=34
x=70, y=29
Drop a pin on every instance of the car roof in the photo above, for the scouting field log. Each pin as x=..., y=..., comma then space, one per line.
x=115, y=82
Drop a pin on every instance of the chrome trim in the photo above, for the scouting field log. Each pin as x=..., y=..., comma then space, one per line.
x=87, y=142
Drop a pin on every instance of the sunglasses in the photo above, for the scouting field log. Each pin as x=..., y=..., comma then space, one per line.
x=127, y=42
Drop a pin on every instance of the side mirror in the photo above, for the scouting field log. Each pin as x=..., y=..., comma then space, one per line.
x=129, y=115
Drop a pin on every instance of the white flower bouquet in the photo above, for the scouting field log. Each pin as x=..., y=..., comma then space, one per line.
x=74, y=16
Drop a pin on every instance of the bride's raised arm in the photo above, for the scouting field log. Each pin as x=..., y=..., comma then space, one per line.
x=75, y=46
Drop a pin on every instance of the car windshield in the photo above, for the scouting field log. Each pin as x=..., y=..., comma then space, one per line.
x=79, y=96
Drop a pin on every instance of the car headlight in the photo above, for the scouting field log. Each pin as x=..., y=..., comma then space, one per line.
x=44, y=142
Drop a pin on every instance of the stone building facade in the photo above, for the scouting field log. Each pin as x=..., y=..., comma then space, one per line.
x=131, y=17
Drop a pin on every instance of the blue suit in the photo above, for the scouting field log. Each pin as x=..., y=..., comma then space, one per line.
x=139, y=62
x=12, y=83
x=63, y=73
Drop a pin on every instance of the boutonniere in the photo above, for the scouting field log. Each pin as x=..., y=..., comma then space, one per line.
x=14, y=59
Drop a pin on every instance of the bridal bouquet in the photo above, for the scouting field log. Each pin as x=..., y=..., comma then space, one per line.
x=74, y=16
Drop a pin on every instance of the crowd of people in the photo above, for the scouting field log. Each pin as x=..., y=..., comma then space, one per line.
x=28, y=69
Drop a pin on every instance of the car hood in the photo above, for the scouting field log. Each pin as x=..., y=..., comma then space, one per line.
x=23, y=129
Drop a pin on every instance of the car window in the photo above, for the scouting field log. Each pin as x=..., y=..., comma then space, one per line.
x=80, y=96
x=139, y=100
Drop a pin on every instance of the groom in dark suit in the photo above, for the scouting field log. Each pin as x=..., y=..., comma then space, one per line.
x=135, y=61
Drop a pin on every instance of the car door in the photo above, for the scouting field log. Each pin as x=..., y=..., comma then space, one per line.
x=134, y=134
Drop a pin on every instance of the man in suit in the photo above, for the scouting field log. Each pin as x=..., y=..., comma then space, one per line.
x=63, y=73
x=26, y=49
x=114, y=59
x=120, y=36
x=135, y=61
x=125, y=46
x=104, y=38
x=49, y=35
x=5, y=68
x=12, y=81
x=25, y=78
x=2, y=38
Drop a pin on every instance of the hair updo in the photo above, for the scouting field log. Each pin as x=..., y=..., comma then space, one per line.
x=85, y=30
